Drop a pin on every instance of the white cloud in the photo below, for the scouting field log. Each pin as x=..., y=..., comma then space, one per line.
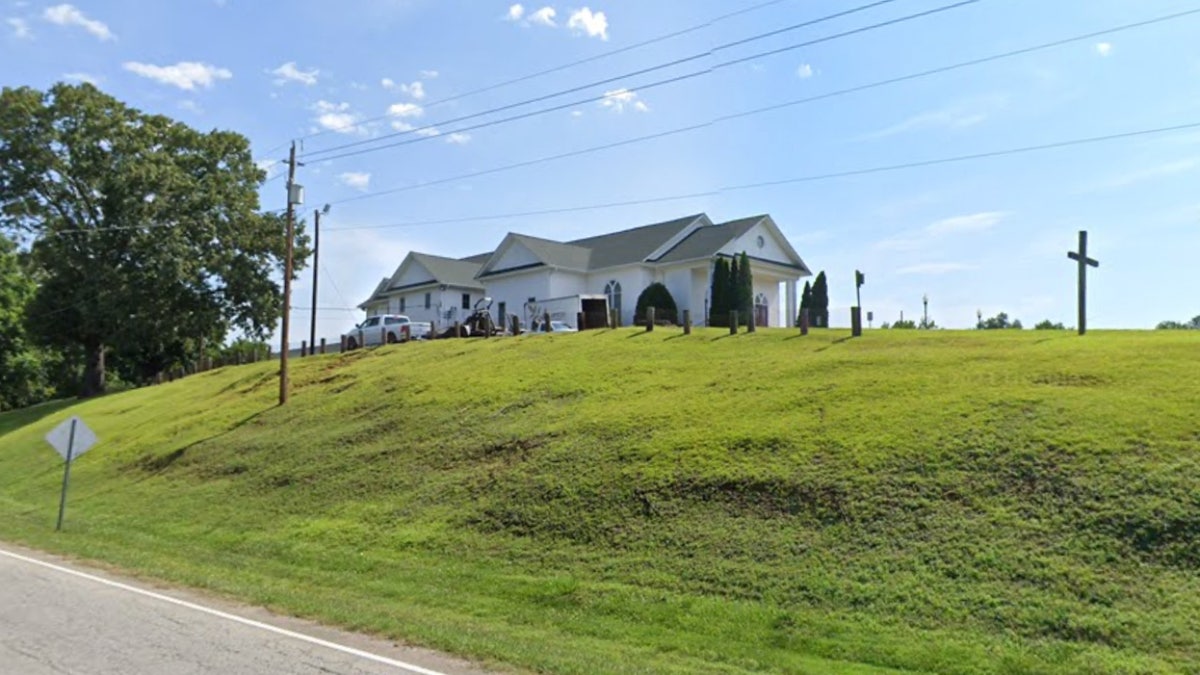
x=68, y=15
x=187, y=75
x=81, y=77
x=405, y=110
x=429, y=74
x=20, y=28
x=593, y=24
x=618, y=99
x=576, y=113
x=458, y=138
x=1149, y=173
x=975, y=222
x=544, y=16
x=935, y=268
x=805, y=71
x=288, y=72
x=1104, y=48
x=955, y=117
x=414, y=89
x=402, y=126
x=356, y=180
x=337, y=117
x=515, y=13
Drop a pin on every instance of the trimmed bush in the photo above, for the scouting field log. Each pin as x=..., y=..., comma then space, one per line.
x=657, y=296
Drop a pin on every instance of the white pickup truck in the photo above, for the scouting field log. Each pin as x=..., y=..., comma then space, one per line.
x=386, y=329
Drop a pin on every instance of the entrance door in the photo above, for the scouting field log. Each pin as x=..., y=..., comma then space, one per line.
x=762, y=313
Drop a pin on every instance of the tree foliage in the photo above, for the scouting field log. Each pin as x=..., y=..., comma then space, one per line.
x=805, y=302
x=819, y=304
x=998, y=322
x=721, y=303
x=146, y=234
x=1049, y=325
x=744, y=288
x=902, y=324
x=657, y=296
x=1194, y=324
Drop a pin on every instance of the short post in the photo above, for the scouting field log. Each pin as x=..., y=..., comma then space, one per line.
x=62, y=502
x=687, y=322
x=856, y=321
x=383, y=335
x=804, y=321
x=303, y=348
x=579, y=321
x=649, y=319
x=432, y=330
x=487, y=326
x=322, y=346
x=516, y=325
x=546, y=323
x=342, y=344
x=614, y=319
x=733, y=322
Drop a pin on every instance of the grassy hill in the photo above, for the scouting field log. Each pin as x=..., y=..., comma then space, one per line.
x=622, y=502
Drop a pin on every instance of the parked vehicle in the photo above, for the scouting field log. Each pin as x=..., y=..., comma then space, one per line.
x=386, y=328
x=555, y=327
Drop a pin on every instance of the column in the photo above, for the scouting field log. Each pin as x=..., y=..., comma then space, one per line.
x=792, y=306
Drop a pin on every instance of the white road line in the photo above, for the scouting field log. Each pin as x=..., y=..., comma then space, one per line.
x=231, y=617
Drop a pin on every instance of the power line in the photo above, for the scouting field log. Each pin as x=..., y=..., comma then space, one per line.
x=431, y=128
x=800, y=179
x=565, y=66
x=757, y=111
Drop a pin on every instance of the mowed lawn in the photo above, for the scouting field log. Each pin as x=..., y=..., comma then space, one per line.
x=623, y=502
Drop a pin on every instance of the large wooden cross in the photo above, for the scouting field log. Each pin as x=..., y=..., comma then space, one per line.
x=1084, y=262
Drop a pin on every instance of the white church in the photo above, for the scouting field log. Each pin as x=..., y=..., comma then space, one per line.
x=527, y=276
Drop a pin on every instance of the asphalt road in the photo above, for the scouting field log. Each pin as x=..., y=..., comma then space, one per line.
x=57, y=617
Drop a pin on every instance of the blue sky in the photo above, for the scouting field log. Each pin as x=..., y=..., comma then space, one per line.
x=988, y=235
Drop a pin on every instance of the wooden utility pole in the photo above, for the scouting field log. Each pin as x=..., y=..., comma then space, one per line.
x=287, y=280
x=1084, y=262
x=312, y=328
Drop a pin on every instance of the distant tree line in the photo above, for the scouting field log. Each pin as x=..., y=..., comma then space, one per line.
x=1194, y=324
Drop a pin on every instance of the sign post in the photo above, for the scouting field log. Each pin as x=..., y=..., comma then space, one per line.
x=71, y=439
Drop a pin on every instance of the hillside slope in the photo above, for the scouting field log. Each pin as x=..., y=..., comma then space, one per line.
x=615, y=501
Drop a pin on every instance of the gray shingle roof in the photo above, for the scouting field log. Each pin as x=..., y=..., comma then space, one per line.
x=557, y=254
x=706, y=241
x=632, y=246
x=448, y=270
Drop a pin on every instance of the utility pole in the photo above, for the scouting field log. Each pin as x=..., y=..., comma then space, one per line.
x=292, y=201
x=312, y=329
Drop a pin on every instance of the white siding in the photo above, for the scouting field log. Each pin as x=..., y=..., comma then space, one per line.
x=633, y=281
x=517, y=255
x=748, y=242
x=514, y=290
x=679, y=282
x=414, y=273
x=701, y=283
x=770, y=288
x=564, y=283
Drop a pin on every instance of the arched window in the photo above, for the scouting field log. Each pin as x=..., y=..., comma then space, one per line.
x=612, y=291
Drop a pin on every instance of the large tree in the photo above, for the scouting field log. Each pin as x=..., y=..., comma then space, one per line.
x=146, y=233
x=819, y=307
x=721, y=302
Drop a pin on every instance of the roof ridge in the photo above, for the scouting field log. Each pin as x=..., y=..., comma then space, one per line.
x=642, y=227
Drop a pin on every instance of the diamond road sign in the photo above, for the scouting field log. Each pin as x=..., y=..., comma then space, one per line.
x=60, y=438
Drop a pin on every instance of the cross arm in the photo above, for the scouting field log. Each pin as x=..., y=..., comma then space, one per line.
x=1089, y=261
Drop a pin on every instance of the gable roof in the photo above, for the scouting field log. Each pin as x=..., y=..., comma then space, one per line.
x=548, y=253
x=448, y=271
x=632, y=246
x=376, y=294
x=705, y=242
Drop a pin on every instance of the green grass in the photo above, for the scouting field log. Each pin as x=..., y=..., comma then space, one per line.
x=621, y=502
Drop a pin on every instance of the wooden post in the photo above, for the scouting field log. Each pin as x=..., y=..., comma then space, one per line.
x=342, y=344
x=856, y=321
x=750, y=326
x=733, y=322
x=804, y=321
x=687, y=322
x=322, y=346
x=516, y=325
x=303, y=348
x=649, y=319
x=546, y=323
x=579, y=321
x=432, y=330
x=457, y=329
